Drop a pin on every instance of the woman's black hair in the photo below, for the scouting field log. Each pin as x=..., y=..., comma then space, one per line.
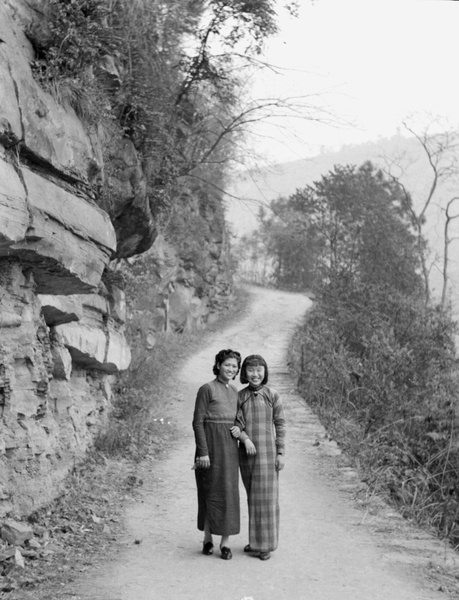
x=222, y=356
x=254, y=360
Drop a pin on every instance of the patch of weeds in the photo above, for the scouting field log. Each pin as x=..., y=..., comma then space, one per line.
x=72, y=533
x=381, y=373
x=138, y=426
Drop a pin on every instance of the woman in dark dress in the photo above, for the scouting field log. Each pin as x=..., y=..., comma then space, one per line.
x=216, y=457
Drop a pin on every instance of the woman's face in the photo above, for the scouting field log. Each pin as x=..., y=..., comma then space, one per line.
x=255, y=374
x=227, y=369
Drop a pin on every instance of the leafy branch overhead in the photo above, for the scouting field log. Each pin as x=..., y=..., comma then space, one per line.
x=168, y=74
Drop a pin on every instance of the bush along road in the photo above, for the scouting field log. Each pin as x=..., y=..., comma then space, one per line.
x=336, y=540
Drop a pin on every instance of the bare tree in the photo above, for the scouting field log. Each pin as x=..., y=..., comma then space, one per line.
x=439, y=144
x=447, y=240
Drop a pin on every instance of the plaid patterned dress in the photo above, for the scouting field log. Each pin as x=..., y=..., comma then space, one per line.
x=261, y=415
x=218, y=486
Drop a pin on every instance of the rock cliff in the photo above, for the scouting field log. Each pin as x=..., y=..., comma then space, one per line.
x=63, y=313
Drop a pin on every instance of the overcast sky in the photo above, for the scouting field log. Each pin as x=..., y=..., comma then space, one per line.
x=371, y=62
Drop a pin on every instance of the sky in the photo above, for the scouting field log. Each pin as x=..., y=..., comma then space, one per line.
x=371, y=64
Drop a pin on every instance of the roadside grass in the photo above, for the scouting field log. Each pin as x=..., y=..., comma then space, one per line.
x=80, y=528
x=390, y=404
x=138, y=425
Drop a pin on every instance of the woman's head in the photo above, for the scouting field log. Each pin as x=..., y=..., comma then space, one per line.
x=254, y=365
x=222, y=357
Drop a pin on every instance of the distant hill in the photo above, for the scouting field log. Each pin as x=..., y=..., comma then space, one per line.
x=260, y=187
x=256, y=188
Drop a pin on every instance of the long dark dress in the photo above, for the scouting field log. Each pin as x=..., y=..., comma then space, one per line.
x=261, y=416
x=218, y=486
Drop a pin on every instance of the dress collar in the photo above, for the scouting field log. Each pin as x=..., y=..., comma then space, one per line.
x=255, y=388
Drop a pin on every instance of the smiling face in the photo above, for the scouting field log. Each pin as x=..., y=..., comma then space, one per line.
x=228, y=369
x=255, y=374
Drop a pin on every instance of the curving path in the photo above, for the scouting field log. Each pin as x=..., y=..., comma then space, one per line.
x=332, y=545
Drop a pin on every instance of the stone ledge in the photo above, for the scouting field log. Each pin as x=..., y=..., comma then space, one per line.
x=94, y=348
x=68, y=241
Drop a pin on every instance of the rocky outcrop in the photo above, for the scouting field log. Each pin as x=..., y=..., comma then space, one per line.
x=65, y=239
x=61, y=328
x=68, y=221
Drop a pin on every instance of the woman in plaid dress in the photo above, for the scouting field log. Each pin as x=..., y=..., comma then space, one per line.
x=260, y=417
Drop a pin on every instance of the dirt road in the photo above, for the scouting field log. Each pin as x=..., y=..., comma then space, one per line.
x=332, y=545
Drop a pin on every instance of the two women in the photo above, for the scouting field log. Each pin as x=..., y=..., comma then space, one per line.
x=255, y=416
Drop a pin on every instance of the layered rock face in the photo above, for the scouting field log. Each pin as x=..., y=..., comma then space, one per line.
x=62, y=314
x=61, y=328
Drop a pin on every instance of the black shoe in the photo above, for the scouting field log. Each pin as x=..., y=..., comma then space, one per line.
x=264, y=555
x=248, y=548
x=207, y=548
x=226, y=553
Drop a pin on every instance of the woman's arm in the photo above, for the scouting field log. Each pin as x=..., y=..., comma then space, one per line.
x=280, y=429
x=239, y=424
x=200, y=412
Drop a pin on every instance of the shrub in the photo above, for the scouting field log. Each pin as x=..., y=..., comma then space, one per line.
x=381, y=371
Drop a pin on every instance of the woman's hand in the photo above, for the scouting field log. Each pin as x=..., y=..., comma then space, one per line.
x=235, y=431
x=250, y=447
x=280, y=462
x=202, y=462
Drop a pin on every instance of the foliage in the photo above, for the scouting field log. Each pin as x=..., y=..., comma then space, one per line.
x=381, y=370
x=76, y=41
x=253, y=263
x=193, y=250
x=167, y=72
x=354, y=223
x=292, y=242
x=196, y=225
x=376, y=361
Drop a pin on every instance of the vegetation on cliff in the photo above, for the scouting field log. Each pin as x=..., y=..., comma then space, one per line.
x=166, y=75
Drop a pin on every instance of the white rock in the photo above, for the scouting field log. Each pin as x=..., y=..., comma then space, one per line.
x=15, y=532
x=69, y=240
x=14, y=216
x=94, y=302
x=94, y=348
x=10, y=319
x=118, y=351
x=62, y=362
x=86, y=344
x=118, y=304
x=59, y=309
x=75, y=214
x=9, y=110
